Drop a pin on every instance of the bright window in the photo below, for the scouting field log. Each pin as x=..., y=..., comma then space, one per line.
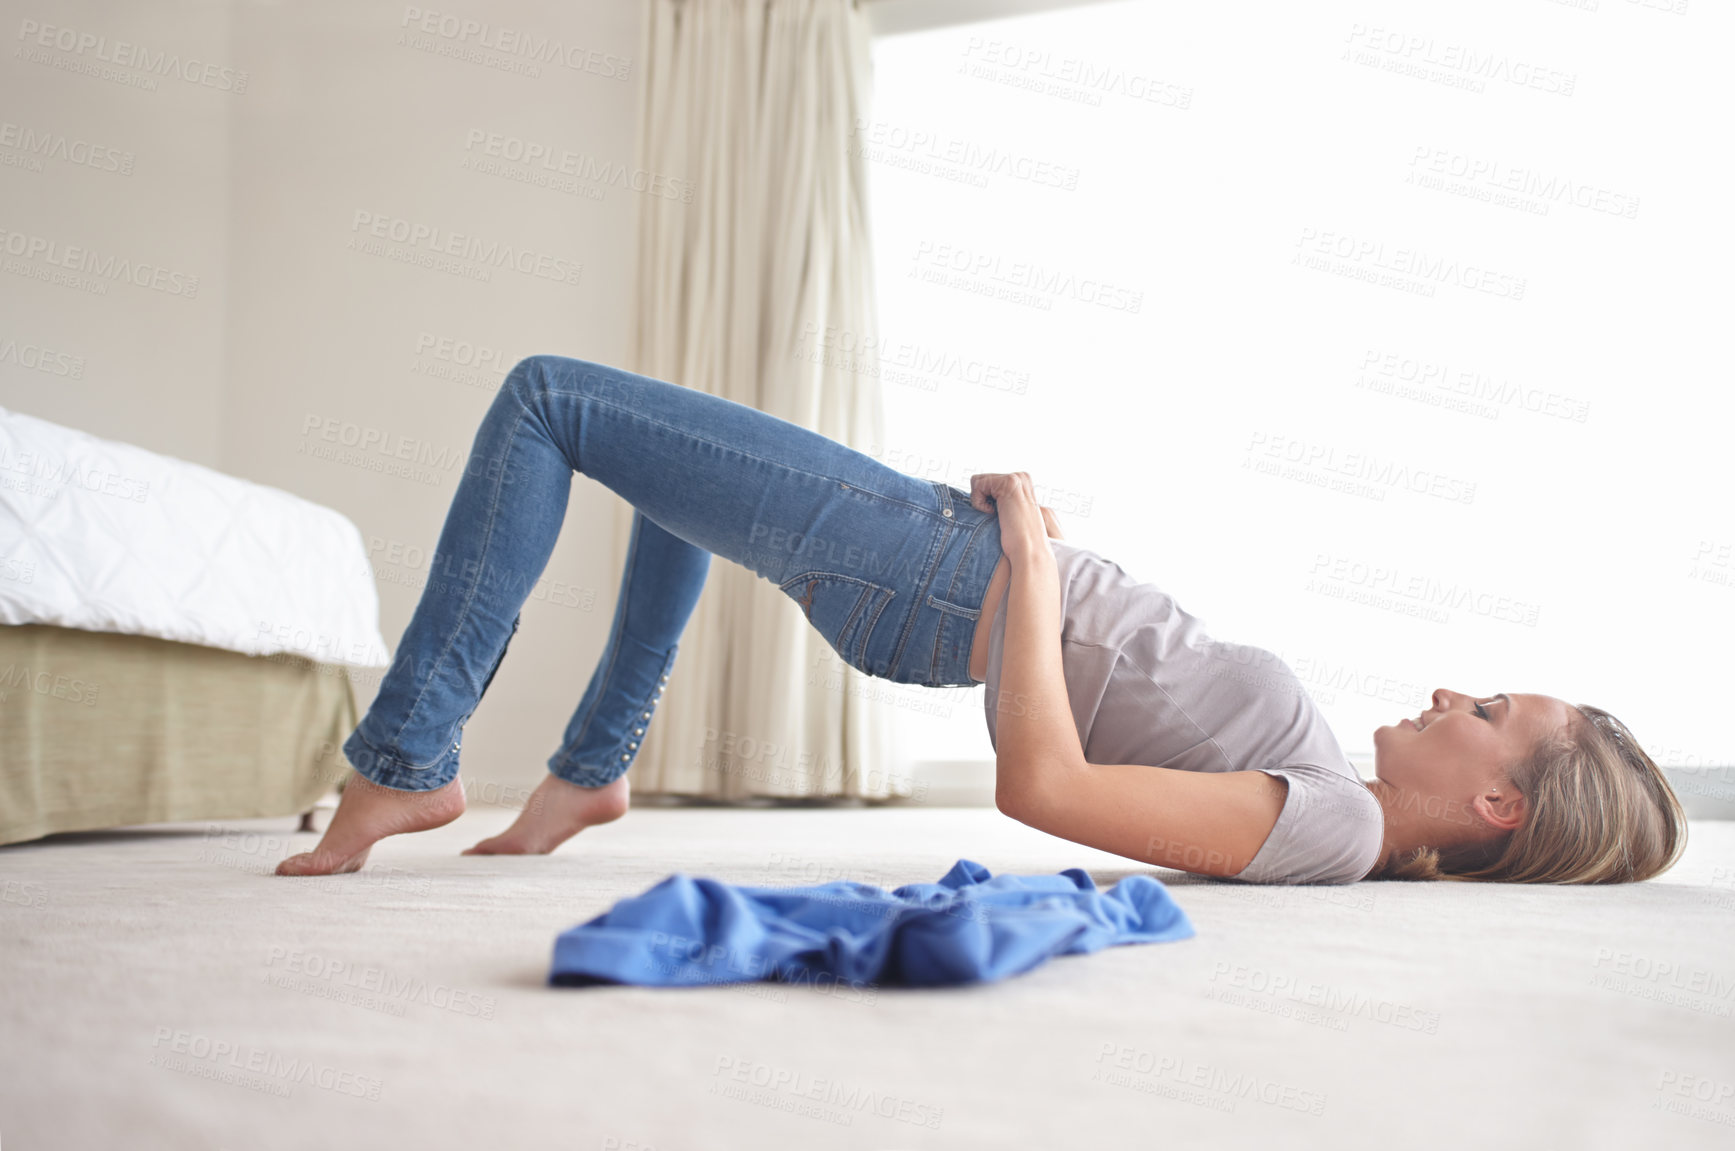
x=1398, y=351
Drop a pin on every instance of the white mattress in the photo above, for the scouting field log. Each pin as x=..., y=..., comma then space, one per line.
x=105, y=536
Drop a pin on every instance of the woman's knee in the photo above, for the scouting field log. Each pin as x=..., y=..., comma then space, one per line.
x=529, y=376
x=533, y=377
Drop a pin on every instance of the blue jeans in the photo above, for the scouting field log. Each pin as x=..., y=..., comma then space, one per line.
x=889, y=568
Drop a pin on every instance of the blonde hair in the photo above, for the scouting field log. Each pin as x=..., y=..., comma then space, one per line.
x=1600, y=811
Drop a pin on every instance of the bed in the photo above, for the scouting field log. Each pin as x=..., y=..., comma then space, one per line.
x=175, y=643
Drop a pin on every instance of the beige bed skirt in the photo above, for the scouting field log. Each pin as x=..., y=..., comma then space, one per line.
x=105, y=730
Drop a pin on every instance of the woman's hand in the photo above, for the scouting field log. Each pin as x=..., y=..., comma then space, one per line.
x=1025, y=526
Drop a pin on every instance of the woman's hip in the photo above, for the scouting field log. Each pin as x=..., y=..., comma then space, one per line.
x=897, y=592
x=890, y=568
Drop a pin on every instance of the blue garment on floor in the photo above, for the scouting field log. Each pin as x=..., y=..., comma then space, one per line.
x=969, y=927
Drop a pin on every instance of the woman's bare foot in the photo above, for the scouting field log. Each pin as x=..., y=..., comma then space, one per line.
x=557, y=811
x=367, y=814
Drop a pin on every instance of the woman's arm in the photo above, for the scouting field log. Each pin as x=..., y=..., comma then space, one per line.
x=1213, y=823
x=1035, y=735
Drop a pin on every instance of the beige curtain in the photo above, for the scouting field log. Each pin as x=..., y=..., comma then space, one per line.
x=753, y=101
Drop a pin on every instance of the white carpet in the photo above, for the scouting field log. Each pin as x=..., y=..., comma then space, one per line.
x=146, y=972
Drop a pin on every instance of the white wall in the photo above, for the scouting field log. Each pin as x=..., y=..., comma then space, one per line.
x=301, y=317
x=362, y=109
x=115, y=168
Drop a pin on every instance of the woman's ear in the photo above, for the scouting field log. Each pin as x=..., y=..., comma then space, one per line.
x=1503, y=808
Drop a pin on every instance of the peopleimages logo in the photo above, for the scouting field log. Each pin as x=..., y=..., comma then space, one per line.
x=103, y=266
x=71, y=150
x=123, y=54
x=1021, y=281
x=36, y=358
x=579, y=165
x=514, y=43
x=324, y=974
x=1267, y=452
x=1356, y=580
x=437, y=241
x=33, y=473
x=255, y=1068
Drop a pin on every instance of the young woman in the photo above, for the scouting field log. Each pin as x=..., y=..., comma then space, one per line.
x=1116, y=721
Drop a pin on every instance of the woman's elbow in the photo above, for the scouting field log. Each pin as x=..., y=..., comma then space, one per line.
x=1010, y=801
x=1023, y=801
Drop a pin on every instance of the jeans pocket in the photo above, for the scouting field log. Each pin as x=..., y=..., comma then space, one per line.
x=843, y=609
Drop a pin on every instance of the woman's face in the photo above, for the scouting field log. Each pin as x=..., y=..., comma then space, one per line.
x=1456, y=747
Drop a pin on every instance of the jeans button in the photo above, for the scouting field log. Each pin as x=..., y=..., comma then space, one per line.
x=633, y=746
x=626, y=758
x=644, y=715
x=638, y=731
x=947, y=513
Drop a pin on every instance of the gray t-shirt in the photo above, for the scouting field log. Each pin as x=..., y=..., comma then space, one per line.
x=1148, y=685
